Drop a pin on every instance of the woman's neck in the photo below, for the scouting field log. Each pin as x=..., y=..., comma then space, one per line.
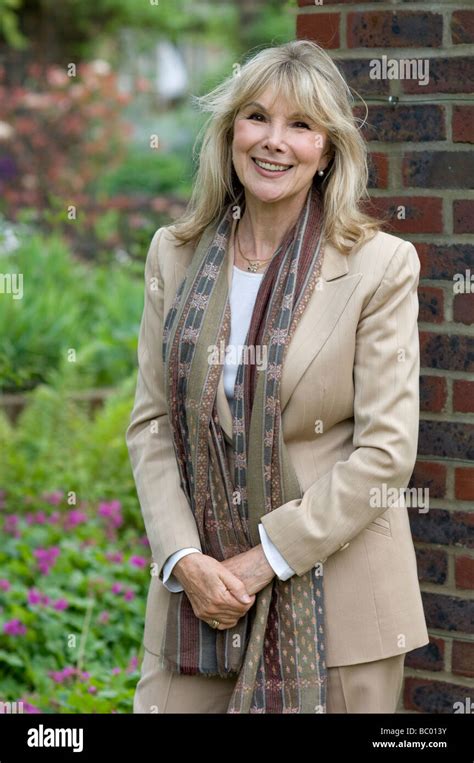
x=264, y=225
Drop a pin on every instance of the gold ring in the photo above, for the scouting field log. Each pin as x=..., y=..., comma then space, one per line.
x=214, y=623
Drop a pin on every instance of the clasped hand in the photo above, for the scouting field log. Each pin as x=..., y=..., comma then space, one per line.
x=223, y=591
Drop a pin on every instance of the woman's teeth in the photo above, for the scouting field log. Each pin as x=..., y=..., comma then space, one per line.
x=272, y=167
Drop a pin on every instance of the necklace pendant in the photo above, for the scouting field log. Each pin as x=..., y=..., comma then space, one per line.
x=253, y=267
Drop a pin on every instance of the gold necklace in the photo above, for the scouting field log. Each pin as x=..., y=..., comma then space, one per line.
x=254, y=264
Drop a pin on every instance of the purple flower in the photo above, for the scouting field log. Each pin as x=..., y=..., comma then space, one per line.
x=74, y=518
x=111, y=510
x=92, y=689
x=48, y=554
x=53, y=498
x=116, y=671
x=138, y=561
x=11, y=525
x=59, y=676
x=114, y=556
x=14, y=628
x=116, y=588
x=61, y=604
x=39, y=518
x=128, y=595
x=132, y=665
x=4, y=585
x=54, y=517
x=28, y=708
x=143, y=541
x=46, y=558
x=104, y=617
x=34, y=596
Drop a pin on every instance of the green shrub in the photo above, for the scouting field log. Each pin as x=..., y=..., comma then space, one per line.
x=67, y=491
x=75, y=322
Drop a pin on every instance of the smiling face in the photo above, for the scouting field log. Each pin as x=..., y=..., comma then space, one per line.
x=275, y=151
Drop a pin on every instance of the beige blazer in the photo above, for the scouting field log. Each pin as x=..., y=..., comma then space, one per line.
x=350, y=408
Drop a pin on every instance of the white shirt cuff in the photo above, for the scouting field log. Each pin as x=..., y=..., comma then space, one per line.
x=276, y=561
x=169, y=580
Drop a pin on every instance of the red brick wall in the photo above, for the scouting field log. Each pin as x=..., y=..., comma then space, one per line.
x=422, y=160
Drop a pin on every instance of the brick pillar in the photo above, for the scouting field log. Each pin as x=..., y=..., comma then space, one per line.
x=421, y=180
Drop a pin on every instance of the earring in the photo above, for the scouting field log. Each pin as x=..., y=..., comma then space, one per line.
x=320, y=173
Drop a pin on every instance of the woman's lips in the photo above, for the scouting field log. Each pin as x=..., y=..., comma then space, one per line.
x=272, y=173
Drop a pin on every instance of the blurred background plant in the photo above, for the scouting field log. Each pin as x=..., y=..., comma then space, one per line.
x=96, y=136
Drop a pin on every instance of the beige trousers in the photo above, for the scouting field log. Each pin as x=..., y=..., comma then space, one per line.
x=369, y=687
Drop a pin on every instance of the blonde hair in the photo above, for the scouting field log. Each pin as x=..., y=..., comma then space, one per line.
x=304, y=74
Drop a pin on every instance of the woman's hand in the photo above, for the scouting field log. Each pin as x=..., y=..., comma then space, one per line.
x=252, y=568
x=214, y=591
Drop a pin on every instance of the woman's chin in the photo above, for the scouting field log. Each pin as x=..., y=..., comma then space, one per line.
x=268, y=195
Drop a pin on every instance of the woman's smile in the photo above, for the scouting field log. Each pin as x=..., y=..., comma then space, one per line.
x=270, y=169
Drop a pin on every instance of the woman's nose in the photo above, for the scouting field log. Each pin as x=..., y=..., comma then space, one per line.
x=275, y=138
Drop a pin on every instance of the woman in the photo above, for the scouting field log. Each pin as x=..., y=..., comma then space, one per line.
x=283, y=580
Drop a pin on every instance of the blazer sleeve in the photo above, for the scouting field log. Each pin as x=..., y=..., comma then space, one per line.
x=337, y=507
x=169, y=521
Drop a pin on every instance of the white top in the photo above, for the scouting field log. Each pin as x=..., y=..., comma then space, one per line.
x=243, y=294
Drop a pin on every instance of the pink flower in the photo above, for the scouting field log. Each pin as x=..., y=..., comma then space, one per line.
x=108, y=508
x=143, y=541
x=59, y=676
x=35, y=597
x=92, y=689
x=114, y=556
x=46, y=558
x=54, y=518
x=28, y=708
x=53, y=498
x=132, y=665
x=74, y=518
x=116, y=671
x=104, y=617
x=138, y=561
x=36, y=519
x=14, y=628
x=111, y=510
x=56, y=76
x=128, y=595
x=116, y=588
x=61, y=604
x=4, y=585
x=11, y=525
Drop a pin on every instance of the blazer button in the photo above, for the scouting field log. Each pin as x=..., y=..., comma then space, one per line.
x=345, y=545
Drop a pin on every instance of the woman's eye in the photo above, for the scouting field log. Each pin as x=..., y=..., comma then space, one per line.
x=261, y=118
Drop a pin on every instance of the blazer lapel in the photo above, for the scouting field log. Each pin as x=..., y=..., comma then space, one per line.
x=321, y=315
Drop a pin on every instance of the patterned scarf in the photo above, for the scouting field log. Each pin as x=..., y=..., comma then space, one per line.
x=277, y=648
